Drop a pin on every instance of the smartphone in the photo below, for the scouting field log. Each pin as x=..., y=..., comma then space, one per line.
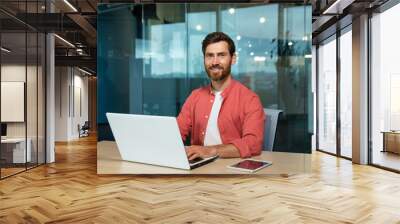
x=250, y=165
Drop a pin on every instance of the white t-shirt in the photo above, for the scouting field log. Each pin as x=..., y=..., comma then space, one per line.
x=212, y=136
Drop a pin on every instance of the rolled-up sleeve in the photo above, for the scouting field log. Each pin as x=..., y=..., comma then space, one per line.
x=184, y=118
x=251, y=141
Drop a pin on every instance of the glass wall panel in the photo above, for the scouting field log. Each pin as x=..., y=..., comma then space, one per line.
x=201, y=21
x=314, y=95
x=150, y=59
x=41, y=87
x=385, y=89
x=120, y=60
x=256, y=40
x=31, y=97
x=164, y=58
x=22, y=89
x=32, y=84
x=13, y=90
x=346, y=94
x=327, y=96
x=271, y=45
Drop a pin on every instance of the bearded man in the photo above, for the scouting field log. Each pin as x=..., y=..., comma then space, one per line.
x=224, y=118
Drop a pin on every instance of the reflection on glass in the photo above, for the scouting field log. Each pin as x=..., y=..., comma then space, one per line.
x=257, y=49
x=164, y=59
x=327, y=97
x=41, y=150
x=346, y=94
x=198, y=17
x=385, y=89
x=13, y=86
x=120, y=61
x=31, y=101
x=22, y=90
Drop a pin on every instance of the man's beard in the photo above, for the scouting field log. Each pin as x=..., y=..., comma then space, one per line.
x=225, y=72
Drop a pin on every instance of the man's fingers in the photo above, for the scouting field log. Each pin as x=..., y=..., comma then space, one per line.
x=190, y=153
x=193, y=156
x=193, y=152
x=189, y=150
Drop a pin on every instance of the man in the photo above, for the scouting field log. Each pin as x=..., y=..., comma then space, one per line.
x=224, y=118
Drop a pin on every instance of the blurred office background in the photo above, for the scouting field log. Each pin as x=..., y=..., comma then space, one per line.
x=150, y=59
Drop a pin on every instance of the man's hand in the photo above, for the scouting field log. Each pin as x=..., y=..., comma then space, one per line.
x=196, y=151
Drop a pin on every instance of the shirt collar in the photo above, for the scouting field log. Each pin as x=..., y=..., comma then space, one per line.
x=226, y=91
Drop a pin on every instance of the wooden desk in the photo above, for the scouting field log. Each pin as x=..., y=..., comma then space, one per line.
x=15, y=148
x=391, y=141
x=109, y=162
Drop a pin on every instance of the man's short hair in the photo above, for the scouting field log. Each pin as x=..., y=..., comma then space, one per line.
x=217, y=37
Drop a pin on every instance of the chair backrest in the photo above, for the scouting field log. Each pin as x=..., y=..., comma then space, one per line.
x=86, y=125
x=271, y=122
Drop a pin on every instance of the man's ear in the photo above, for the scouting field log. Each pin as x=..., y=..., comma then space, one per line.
x=233, y=59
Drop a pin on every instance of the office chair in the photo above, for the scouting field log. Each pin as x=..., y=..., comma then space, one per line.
x=271, y=122
x=84, y=130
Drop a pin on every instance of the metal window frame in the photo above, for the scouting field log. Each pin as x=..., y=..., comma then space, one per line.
x=339, y=32
x=389, y=4
x=381, y=9
x=44, y=73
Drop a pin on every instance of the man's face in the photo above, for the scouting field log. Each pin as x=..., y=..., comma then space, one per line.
x=218, y=61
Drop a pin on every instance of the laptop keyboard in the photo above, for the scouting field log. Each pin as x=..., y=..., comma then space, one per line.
x=198, y=159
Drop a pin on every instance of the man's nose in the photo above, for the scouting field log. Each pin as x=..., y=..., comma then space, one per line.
x=215, y=61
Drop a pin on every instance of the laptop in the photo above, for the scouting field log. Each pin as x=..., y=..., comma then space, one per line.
x=154, y=140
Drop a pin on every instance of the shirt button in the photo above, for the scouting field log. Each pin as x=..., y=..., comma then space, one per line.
x=206, y=116
x=202, y=133
x=211, y=101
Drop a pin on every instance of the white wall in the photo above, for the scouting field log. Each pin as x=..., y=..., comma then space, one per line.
x=33, y=127
x=15, y=72
x=11, y=73
x=71, y=102
x=80, y=110
x=61, y=103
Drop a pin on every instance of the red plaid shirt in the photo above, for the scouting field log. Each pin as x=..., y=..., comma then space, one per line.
x=240, y=120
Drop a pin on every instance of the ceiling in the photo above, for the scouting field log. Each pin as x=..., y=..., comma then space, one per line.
x=76, y=24
x=330, y=16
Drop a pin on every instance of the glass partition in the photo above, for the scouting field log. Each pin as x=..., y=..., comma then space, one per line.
x=13, y=109
x=200, y=22
x=31, y=99
x=327, y=96
x=385, y=89
x=150, y=59
x=22, y=91
x=164, y=55
x=41, y=96
x=346, y=93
